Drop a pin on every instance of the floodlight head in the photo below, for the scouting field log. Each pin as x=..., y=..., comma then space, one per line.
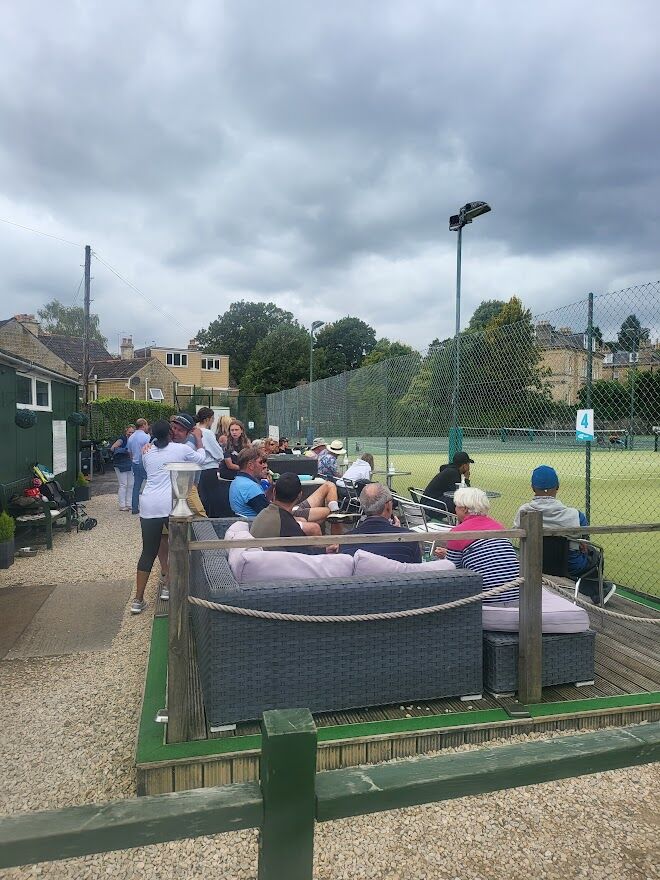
x=473, y=209
x=454, y=223
x=316, y=325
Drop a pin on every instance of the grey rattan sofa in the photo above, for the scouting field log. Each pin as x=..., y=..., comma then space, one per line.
x=249, y=665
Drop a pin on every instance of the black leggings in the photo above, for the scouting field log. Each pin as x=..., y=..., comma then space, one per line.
x=152, y=531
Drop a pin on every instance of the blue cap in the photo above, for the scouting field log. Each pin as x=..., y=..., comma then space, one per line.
x=545, y=477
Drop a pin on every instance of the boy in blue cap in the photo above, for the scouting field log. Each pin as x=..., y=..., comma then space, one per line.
x=545, y=484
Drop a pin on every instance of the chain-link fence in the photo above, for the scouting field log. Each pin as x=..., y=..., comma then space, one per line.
x=511, y=404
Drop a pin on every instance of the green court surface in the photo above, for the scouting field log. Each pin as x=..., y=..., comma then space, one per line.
x=625, y=488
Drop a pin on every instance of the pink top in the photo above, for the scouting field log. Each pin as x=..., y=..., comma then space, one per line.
x=473, y=523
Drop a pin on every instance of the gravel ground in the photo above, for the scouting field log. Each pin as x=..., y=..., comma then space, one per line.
x=68, y=737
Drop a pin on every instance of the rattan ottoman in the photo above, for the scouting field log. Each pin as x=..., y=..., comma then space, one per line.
x=567, y=658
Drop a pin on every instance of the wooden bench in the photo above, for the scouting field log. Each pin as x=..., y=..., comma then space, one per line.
x=38, y=519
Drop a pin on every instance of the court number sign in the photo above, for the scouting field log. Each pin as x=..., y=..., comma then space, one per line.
x=584, y=424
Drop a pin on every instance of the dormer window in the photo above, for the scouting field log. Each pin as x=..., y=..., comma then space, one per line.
x=176, y=359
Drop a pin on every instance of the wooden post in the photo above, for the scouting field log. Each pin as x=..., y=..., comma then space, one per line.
x=288, y=771
x=529, y=626
x=178, y=697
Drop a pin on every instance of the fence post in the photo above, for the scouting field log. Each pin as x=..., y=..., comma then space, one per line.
x=179, y=631
x=288, y=772
x=587, y=402
x=529, y=621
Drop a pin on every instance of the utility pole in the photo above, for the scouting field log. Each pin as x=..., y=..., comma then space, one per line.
x=85, y=375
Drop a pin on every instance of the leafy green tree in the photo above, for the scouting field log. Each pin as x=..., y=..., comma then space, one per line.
x=632, y=336
x=279, y=360
x=64, y=320
x=238, y=330
x=345, y=344
x=609, y=399
x=484, y=314
x=384, y=349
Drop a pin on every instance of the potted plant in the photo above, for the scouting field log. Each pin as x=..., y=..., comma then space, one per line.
x=7, y=529
x=81, y=488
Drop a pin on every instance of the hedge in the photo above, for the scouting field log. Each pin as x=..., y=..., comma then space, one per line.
x=110, y=415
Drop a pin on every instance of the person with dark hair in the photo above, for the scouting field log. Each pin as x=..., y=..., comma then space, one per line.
x=121, y=461
x=156, y=501
x=283, y=446
x=457, y=472
x=277, y=520
x=237, y=440
x=209, y=485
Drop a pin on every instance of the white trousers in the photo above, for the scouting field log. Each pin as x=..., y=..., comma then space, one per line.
x=125, y=491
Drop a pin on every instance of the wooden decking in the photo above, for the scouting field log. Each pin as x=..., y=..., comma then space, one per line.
x=627, y=663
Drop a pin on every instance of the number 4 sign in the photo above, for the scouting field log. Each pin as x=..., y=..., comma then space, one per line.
x=584, y=424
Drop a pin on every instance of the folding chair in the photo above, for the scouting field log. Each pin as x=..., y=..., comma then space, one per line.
x=413, y=517
x=434, y=508
x=351, y=500
x=555, y=561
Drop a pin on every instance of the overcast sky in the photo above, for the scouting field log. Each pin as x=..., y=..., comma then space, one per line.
x=310, y=154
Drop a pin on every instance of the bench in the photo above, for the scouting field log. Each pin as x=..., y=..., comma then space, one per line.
x=38, y=519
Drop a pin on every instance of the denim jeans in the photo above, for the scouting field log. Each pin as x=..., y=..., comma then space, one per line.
x=139, y=476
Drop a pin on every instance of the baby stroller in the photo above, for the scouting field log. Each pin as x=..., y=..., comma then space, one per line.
x=64, y=500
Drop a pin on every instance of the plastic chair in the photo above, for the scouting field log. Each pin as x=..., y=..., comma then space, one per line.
x=435, y=509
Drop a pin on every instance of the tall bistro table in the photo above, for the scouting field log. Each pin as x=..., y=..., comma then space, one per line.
x=389, y=476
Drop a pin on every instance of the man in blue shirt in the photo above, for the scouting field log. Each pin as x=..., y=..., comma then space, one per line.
x=138, y=439
x=376, y=501
x=246, y=494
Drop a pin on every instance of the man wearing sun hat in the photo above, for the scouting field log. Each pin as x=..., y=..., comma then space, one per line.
x=317, y=447
x=328, y=460
x=545, y=484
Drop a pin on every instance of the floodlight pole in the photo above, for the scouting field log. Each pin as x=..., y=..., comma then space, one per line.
x=310, y=429
x=457, y=332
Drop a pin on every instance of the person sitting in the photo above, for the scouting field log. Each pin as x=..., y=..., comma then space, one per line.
x=545, y=485
x=328, y=460
x=359, y=471
x=457, y=471
x=495, y=560
x=277, y=520
x=283, y=447
x=376, y=501
x=317, y=447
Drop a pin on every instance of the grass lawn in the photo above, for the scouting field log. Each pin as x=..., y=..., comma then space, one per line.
x=625, y=488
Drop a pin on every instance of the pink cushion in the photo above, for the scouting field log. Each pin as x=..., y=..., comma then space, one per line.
x=558, y=615
x=237, y=531
x=276, y=565
x=371, y=563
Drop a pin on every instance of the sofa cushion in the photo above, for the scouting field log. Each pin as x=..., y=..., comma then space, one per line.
x=559, y=615
x=249, y=566
x=366, y=563
x=237, y=531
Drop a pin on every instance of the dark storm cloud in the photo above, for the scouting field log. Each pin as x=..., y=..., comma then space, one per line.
x=312, y=155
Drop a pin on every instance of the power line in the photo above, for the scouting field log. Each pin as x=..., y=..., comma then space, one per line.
x=144, y=296
x=39, y=232
x=75, y=298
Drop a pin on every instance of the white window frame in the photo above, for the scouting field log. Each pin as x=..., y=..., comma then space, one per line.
x=34, y=378
x=156, y=394
x=183, y=358
x=209, y=360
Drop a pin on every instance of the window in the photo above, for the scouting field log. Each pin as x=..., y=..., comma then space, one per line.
x=176, y=359
x=156, y=394
x=210, y=363
x=32, y=393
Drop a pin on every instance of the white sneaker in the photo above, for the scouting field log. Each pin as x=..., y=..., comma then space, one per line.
x=138, y=606
x=165, y=593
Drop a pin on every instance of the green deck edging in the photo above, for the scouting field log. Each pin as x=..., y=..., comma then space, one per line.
x=640, y=599
x=151, y=747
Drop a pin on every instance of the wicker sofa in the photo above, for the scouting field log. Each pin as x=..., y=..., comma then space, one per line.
x=248, y=665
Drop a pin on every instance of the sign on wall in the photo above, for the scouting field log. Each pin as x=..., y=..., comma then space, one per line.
x=59, y=446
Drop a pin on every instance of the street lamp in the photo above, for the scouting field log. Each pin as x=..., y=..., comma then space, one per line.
x=315, y=326
x=456, y=223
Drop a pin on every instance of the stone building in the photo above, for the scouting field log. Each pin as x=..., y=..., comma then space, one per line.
x=565, y=353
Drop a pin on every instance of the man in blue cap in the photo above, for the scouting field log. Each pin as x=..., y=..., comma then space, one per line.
x=545, y=484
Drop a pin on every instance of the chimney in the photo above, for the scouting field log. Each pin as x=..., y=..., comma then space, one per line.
x=193, y=345
x=29, y=322
x=126, y=348
x=544, y=334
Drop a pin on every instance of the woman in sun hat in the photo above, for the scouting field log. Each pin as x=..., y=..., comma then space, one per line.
x=328, y=460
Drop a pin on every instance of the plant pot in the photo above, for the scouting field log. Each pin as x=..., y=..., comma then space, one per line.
x=81, y=493
x=6, y=553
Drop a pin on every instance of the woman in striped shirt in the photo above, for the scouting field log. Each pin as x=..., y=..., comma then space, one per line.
x=495, y=559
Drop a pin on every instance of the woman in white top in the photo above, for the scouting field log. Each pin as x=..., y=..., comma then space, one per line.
x=359, y=470
x=156, y=500
x=209, y=485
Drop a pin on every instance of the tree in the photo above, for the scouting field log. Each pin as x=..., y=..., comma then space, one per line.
x=345, y=343
x=279, y=360
x=632, y=336
x=484, y=314
x=239, y=329
x=385, y=349
x=610, y=400
x=64, y=320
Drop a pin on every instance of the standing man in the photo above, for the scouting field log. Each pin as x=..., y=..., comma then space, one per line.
x=376, y=501
x=136, y=441
x=457, y=471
